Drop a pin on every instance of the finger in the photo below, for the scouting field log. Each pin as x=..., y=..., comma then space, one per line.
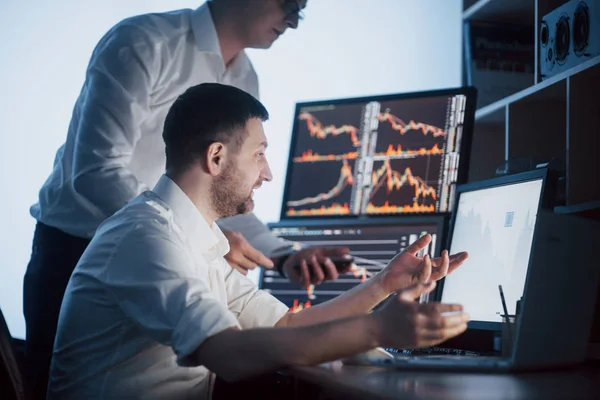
x=317, y=273
x=414, y=291
x=304, y=273
x=463, y=255
x=242, y=270
x=431, y=338
x=427, y=269
x=240, y=260
x=445, y=322
x=423, y=274
x=419, y=244
x=331, y=272
x=442, y=270
x=256, y=256
x=438, y=261
x=458, y=260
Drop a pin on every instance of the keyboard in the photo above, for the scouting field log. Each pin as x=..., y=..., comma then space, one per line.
x=432, y=351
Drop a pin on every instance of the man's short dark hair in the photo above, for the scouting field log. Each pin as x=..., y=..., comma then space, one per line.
x=205, y=114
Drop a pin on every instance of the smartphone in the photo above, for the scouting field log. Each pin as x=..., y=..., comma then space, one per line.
x=342, y=264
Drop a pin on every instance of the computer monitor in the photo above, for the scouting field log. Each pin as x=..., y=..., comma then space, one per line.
x=380, y=155
x=372, y=243
x=495, y=222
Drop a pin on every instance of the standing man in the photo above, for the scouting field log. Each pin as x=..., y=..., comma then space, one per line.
x=114, y=149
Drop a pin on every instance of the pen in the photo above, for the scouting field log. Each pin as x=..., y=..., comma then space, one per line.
x=505, y=311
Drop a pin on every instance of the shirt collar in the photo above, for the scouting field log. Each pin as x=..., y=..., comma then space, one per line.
x=210, y=241
x=207, y=40
x=205, y=31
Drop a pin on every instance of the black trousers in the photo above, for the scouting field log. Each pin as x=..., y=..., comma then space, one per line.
x=54, y=255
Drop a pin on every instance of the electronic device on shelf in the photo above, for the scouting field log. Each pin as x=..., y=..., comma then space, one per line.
x=569, y=35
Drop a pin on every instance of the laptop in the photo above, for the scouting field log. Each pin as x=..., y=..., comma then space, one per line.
x=541, y=258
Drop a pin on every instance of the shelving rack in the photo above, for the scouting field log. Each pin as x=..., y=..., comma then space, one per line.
x=553, y=118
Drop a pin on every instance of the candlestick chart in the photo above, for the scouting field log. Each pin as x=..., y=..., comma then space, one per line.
x=389, y=157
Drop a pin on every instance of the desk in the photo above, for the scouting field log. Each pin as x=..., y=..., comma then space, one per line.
x=337, y=381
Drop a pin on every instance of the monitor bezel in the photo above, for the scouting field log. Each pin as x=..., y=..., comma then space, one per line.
x=546, y=203
x=465, y=146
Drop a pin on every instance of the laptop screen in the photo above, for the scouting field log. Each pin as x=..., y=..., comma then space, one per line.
x=372, y=245
x=496, y=226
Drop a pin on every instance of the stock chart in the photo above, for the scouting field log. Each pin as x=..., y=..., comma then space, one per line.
x=377, y=157
x=371, y=245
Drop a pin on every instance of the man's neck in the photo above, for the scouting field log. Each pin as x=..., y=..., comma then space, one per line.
x=227, y=31
x=199, y=194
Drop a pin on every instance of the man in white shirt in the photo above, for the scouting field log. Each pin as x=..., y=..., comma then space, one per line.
x=153, y=310
x=114, y=149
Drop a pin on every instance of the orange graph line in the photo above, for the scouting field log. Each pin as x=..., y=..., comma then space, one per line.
x=391, y=152
x=360, y=272
x=309, y=156
x=386, y=208
x=346, y=178
x=334, y=209
x=394, y=181
x=403, y=127
x=297, y=306
x=316, y=129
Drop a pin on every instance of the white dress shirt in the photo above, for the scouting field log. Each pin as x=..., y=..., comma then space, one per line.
x=114, y=148
x=150, y=288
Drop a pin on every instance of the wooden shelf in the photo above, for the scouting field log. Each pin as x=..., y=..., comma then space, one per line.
x=487, y=112
x=511, y=11
x=587, y=210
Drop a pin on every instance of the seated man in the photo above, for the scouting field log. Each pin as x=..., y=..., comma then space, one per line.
x=153, y=309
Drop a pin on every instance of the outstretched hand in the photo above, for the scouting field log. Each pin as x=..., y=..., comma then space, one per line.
x=407, y=268
x=405, y=323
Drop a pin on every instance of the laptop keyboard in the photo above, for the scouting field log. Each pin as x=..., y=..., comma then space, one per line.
x=433, y=351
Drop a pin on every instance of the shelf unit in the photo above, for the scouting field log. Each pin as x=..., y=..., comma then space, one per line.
x=553, y=119
x=557, y=118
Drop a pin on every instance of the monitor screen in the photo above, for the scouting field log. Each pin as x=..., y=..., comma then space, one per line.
x=496, y=226
x=373, y=245
x=386, y=155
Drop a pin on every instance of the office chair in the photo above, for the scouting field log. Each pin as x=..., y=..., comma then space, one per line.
x=11, y=379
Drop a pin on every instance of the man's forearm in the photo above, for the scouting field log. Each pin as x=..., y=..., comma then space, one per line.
x=236, y=355
x=359, y=300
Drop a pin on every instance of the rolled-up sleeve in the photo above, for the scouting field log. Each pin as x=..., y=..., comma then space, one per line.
x=159, y=287
x=252, y=307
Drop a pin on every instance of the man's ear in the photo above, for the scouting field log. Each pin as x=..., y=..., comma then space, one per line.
x=216, y=155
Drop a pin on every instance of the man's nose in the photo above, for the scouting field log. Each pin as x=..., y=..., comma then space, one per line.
x=266, y=173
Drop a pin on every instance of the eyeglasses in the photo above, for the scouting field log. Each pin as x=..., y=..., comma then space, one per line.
x=292, y=10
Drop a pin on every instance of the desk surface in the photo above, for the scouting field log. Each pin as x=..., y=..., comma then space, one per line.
x=383, y=383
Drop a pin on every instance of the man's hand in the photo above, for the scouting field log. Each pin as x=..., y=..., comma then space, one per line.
x=242, y=255
x=403, y=323
x=313, y=265
x=408, y=269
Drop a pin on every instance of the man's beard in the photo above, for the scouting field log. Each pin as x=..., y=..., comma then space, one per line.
x=226, y=200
